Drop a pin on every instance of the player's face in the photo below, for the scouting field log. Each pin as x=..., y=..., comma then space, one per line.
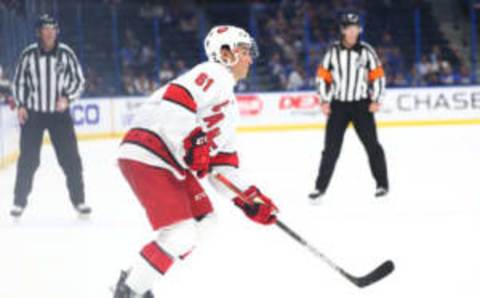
x=351, y=34
x=240, y=70
x=48, y=36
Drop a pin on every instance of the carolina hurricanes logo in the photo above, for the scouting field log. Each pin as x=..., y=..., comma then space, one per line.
x=222, y=29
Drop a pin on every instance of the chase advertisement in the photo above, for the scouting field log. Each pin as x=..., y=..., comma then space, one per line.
x=400, y=105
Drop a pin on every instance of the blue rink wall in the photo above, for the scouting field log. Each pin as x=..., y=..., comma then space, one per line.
x=103, y=118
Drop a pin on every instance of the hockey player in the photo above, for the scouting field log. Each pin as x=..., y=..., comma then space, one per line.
x=185, y=130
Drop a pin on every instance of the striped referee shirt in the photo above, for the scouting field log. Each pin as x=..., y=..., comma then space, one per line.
x=350, y=74
x=42, y=77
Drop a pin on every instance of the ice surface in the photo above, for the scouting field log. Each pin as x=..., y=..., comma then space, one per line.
x=429, y=225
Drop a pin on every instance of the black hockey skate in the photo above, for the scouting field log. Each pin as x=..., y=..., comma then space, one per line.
x=83, y=209
x=123, y=291
x=316, y=196
x=17, y=211
x=381, y=192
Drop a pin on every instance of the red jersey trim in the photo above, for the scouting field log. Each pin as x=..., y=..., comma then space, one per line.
x=180, y=95
x=153, y=143
x=225, y=159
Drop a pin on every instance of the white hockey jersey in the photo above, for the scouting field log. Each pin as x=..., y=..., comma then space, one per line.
x=202, y=97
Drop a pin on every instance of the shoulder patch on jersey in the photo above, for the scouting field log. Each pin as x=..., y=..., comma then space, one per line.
x=180, y=95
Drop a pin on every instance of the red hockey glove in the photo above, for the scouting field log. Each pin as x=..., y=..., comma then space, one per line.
x=257, y=207
x=197, y=151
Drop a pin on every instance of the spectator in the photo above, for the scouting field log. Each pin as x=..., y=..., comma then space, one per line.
x=128, y=83
x=296, y=79
x=424, y=68
x=188, y=22
x=432, y=79
x=166, y=73
x=413, y=78
x=463, y=76
x=278, y=71
x=146, y=58
x=399, y=80
x=446, y=76
x=93, y=83
x=436, y=57
x=433, y=61
x=143, y=85
x=180, y=67
x=131, y=50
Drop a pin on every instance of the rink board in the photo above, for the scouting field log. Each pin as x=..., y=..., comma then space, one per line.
x=9, y=132
x=278, y=111
x=98, y=118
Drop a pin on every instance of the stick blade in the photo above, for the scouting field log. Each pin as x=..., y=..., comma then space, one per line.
x=379, y=273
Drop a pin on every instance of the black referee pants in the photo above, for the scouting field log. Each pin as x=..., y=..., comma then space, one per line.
x=62, y=135
x=342, y=113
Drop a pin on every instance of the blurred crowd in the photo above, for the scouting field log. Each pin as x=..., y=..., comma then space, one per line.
x=15, y=5
x=140, y=74
x=433, y=69
x=292, y=36
x=141, y=71
x=296, y=34
x=299, y=32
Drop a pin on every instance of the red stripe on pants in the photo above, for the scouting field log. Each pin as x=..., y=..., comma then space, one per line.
x=157, y=257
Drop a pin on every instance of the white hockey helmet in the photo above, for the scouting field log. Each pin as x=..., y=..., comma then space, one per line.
x=228, y=36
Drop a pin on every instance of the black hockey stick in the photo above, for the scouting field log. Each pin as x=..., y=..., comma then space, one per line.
x=379, y=273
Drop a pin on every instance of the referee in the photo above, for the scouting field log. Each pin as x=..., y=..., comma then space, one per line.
x=351, y=82
x=47, y=78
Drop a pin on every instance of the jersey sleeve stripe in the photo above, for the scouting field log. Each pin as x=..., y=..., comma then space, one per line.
x=180, y=95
